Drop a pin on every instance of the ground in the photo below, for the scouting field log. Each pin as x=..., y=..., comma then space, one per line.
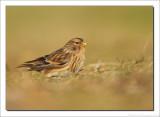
x=121, y=85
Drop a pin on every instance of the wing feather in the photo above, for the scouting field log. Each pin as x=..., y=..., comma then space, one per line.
x=59, y=57
x=55, y=60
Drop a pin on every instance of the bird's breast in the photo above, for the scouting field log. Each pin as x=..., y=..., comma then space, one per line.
x=76, y=63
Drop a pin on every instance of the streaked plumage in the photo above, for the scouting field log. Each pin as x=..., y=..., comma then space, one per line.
x=63, y=62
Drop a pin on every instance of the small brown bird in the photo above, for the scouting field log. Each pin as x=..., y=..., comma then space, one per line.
x=63, y=62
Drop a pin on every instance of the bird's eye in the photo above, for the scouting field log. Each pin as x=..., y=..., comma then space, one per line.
x=77, y=42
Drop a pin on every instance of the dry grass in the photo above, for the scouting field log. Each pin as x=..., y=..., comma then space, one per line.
x=110, y=86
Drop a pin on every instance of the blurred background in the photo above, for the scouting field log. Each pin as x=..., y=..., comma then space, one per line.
x=110, y=32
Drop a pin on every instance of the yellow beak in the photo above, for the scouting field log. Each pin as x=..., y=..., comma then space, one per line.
x=84, y=44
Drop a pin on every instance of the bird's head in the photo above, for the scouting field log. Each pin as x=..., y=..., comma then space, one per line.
x=75, y=45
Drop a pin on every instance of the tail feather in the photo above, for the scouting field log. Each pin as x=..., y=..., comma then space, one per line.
x=31, y=67
x=25, y=65
x=35, y=65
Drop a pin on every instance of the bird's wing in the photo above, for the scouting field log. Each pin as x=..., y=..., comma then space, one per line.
x=59, y=57
x=55, y=60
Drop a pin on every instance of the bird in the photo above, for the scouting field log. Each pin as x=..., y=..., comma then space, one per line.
x=65, y=61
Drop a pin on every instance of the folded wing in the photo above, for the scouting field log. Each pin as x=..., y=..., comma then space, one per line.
x=55, y=60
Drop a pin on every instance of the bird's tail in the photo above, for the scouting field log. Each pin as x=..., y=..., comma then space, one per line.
x=32, y=67
x=25, y=66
